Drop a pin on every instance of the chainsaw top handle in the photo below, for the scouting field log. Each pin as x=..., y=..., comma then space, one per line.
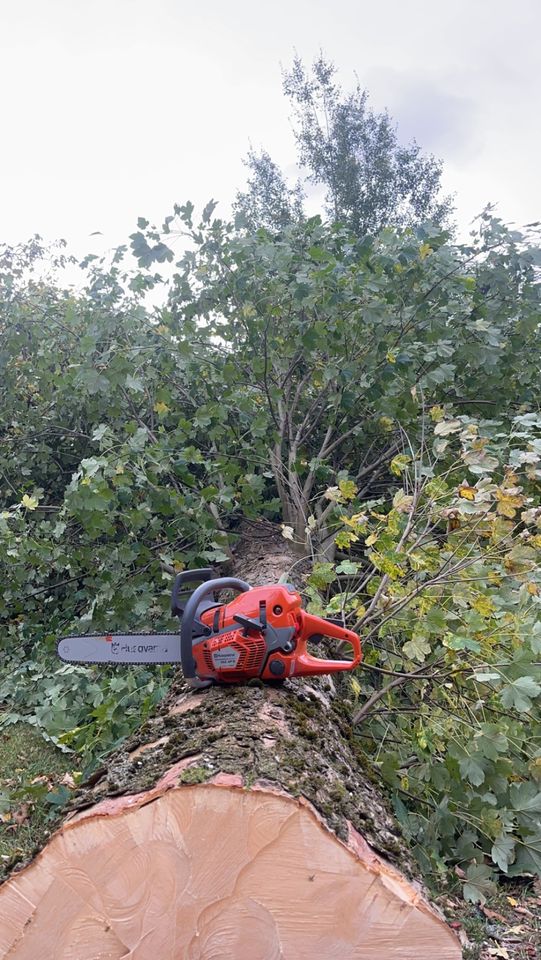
x=189, y=616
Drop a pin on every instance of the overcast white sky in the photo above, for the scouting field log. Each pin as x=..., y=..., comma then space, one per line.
x=113, y=109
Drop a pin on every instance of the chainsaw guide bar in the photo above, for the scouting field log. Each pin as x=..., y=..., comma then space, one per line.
x=117, y=648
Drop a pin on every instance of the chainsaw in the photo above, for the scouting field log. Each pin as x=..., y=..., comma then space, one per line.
x=262, y=633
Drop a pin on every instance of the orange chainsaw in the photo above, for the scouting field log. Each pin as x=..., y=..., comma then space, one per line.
x=262, y=633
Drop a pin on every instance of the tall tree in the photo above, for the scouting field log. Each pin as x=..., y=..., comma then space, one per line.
x=370, y=178
x=268, y=200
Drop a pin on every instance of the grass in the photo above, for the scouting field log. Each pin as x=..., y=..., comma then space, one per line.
x=26, y=813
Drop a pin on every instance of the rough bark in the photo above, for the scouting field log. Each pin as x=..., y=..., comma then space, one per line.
x=241, y=822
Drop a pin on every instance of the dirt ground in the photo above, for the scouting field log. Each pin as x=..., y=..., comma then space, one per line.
x=506, y=927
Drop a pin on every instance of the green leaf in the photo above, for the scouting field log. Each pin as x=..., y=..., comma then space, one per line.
x=479, y=883
x=462, y=643
x=472, y=768
x=322, y=575
x=99, y=432
x=502, y=851
x=57, y=798
x=417, y=649
x=133, y=383
x=91, y=465
x=216, y=555
x=209, y=210
x=525, y=797
x=518, y=694
x=347, y=567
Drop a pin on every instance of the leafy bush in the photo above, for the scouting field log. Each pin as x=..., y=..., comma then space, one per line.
x=444, y=581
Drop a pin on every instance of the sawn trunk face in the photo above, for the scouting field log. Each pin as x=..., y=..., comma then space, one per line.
x=223, y=758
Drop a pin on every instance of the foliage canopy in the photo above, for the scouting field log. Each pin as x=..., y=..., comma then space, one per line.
x=377, y=396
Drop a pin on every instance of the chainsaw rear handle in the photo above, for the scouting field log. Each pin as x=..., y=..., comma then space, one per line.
x=188, y=620
x=316, y=626
x=187, y=576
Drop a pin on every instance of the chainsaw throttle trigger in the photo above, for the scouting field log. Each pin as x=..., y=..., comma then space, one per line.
x=188, y=622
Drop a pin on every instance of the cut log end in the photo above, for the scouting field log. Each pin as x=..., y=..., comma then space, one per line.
x=213, y=871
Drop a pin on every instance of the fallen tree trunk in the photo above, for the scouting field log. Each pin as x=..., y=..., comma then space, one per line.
x=240, y=824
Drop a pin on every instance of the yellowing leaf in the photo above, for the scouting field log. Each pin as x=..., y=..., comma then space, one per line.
x=344, y=539
x=356, y=521
x=534, y=767
x=386, y=424
x=436, y=413
x=360, y=610
x=356, y=687
x=371, y=539
x=287, y=532
x=417, y=648
x=532, y=589
x=391, y=357
x=30, y=503
x=444, y=427
x=424, y=250
x=161, y=407
x=348, y=489
x=484, y=606
x=399, y=463
x=508, y=503
x=466, y=492
x=402, y=502
x=500, y=529
x=386, y=565
x=511, y=478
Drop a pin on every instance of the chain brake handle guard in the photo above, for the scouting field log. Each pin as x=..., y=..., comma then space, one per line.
x=179, y=597
x=318, y=628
